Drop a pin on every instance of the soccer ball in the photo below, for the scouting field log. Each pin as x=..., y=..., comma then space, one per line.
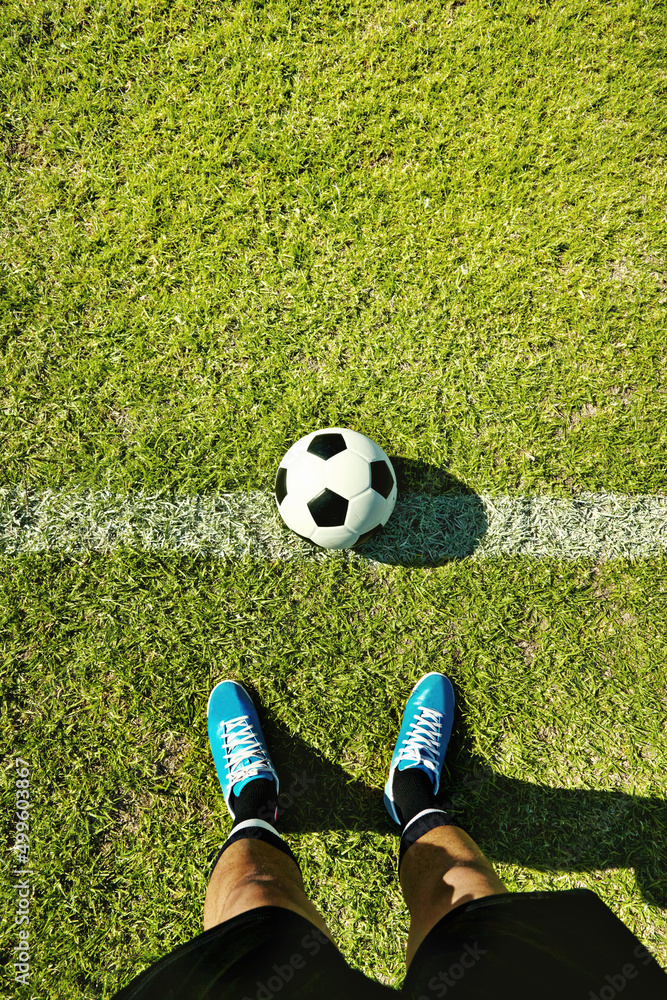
x=336, y=488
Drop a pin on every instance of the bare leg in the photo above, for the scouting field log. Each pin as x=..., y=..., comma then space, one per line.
x=253, y=873
x=441, y=870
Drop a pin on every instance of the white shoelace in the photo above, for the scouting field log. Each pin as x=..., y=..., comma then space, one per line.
x=241, y=745
x=421, y=744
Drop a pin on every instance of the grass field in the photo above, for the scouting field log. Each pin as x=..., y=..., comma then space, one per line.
x=223, y=226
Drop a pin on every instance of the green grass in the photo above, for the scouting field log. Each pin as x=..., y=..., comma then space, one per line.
x=442, y=225
x=556, y=764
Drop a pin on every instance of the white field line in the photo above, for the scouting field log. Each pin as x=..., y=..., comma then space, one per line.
x=423, y=529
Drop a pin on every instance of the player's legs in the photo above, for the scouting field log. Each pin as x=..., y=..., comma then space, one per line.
x=441, y=870
x=253, y=873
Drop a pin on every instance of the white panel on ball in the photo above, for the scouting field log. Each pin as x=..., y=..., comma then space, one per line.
x=367, y=509
x=334, y=538
x=362, y=445
x=306, y=479
x=296, y=516
x=347, y=474
x=295, y=452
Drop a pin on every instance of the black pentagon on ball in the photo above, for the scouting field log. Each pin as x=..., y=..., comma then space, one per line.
x=382, y=480
x=328, y=509
x=327, y=445
x=281, y=485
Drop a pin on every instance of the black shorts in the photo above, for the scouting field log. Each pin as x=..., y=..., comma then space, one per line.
x=520, y=946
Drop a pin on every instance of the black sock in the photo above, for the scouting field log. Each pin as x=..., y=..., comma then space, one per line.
x=413, y=792
x=258, y=800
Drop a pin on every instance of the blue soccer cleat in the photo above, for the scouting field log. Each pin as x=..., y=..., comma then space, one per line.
x=237, y=742
x=424, y=734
